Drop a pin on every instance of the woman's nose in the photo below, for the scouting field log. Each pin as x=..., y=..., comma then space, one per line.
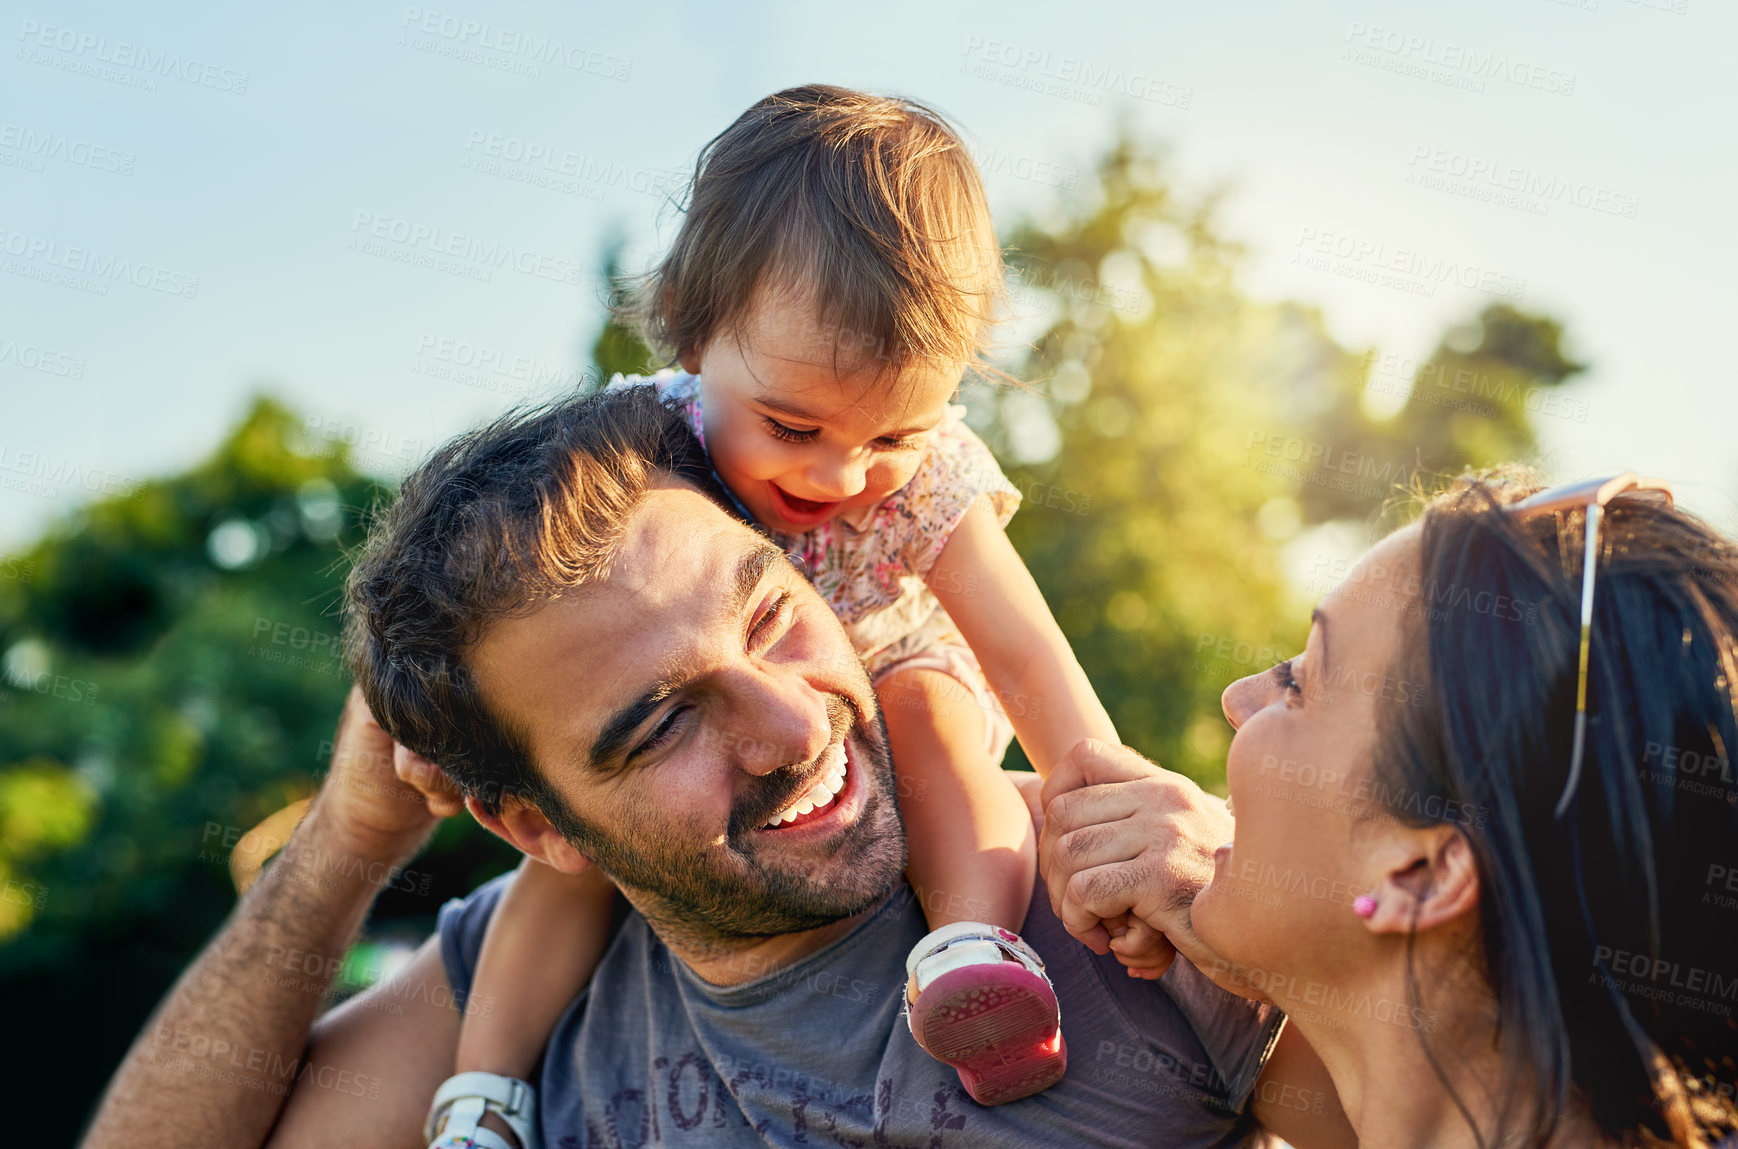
x=1246, y=696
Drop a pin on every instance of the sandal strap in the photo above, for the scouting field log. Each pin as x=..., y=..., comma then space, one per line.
x=470, y=1095
x=938, y=940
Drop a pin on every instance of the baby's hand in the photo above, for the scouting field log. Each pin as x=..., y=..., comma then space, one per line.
x=1141, y=949
x=442, y=794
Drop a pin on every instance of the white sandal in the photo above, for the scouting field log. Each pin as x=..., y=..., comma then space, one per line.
x=978, y=999
x=463, y=1099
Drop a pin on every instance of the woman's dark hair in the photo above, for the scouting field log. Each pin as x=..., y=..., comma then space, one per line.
x=1610, y=935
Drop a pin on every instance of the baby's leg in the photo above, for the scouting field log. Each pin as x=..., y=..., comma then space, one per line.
x=973, y=854
x=543, y=942
x=977, y=995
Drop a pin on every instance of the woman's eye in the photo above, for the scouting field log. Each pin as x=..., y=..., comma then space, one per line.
x=789, y=434
x=1287, y=679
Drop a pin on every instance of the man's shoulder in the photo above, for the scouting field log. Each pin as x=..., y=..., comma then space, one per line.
x=460, y=926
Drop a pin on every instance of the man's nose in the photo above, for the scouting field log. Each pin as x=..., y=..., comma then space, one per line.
x=782, y=719
x=839, y=477
x=1246, y=696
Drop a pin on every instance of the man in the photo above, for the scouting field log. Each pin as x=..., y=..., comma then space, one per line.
x=560, y=611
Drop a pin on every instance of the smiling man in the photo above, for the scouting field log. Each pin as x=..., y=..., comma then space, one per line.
x=561, y=612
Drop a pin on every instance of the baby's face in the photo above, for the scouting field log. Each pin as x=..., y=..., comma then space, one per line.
x=800, y=444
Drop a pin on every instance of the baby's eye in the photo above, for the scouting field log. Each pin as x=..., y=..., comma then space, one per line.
x=788, y=434
x=902, y=443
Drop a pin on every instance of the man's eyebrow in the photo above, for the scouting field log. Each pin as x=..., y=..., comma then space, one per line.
x=1318, y=618
x=619, y=728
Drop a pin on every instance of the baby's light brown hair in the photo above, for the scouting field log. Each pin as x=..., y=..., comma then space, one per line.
x=869, y=207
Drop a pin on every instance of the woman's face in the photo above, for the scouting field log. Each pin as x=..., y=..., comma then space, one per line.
x=1280, y=903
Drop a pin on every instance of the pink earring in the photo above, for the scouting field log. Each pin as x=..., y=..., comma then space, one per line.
x=1364, y=906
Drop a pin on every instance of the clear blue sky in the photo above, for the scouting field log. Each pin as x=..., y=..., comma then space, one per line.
x=214, y=168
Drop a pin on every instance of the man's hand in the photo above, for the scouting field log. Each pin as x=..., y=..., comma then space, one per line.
x=1122, y=836
x=379, y=796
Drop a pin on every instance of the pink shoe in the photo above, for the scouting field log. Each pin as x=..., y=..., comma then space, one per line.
x=978, y=999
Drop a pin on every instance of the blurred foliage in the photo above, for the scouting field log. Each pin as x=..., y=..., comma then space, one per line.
x=1180, y=432
x=169, y=664
x=170, y=675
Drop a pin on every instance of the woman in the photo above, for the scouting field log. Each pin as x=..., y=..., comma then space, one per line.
x=1489, y=937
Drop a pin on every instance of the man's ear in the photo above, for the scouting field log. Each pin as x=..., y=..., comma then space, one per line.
x=523, y=826
x=1430, y=879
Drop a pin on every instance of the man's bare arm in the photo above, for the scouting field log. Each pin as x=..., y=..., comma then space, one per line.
x=216, y=1061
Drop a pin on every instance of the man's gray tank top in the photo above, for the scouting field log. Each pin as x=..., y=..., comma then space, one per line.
x=817, y=1053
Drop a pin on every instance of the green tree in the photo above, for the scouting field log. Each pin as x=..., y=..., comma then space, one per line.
x=1180, y=431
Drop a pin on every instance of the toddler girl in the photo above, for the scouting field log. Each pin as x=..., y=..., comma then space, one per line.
x=832, y=280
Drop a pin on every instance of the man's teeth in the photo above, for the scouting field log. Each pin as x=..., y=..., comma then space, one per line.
x=825, y=789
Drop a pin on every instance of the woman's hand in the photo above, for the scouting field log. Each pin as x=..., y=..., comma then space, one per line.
x=1123, y=836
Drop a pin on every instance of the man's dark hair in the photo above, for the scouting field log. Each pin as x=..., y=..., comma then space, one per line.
x=496, y=521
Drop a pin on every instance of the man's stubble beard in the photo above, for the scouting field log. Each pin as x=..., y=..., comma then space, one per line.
x=673, y=878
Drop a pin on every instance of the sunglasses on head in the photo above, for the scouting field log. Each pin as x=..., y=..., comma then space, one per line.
x=1593, y=496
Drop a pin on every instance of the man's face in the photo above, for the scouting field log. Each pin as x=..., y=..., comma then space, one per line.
x=684, y=703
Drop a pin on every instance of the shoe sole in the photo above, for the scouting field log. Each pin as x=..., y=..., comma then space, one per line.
x=997, y=1025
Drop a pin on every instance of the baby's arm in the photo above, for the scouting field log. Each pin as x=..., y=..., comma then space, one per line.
x=985, y=587
x=543, y=942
